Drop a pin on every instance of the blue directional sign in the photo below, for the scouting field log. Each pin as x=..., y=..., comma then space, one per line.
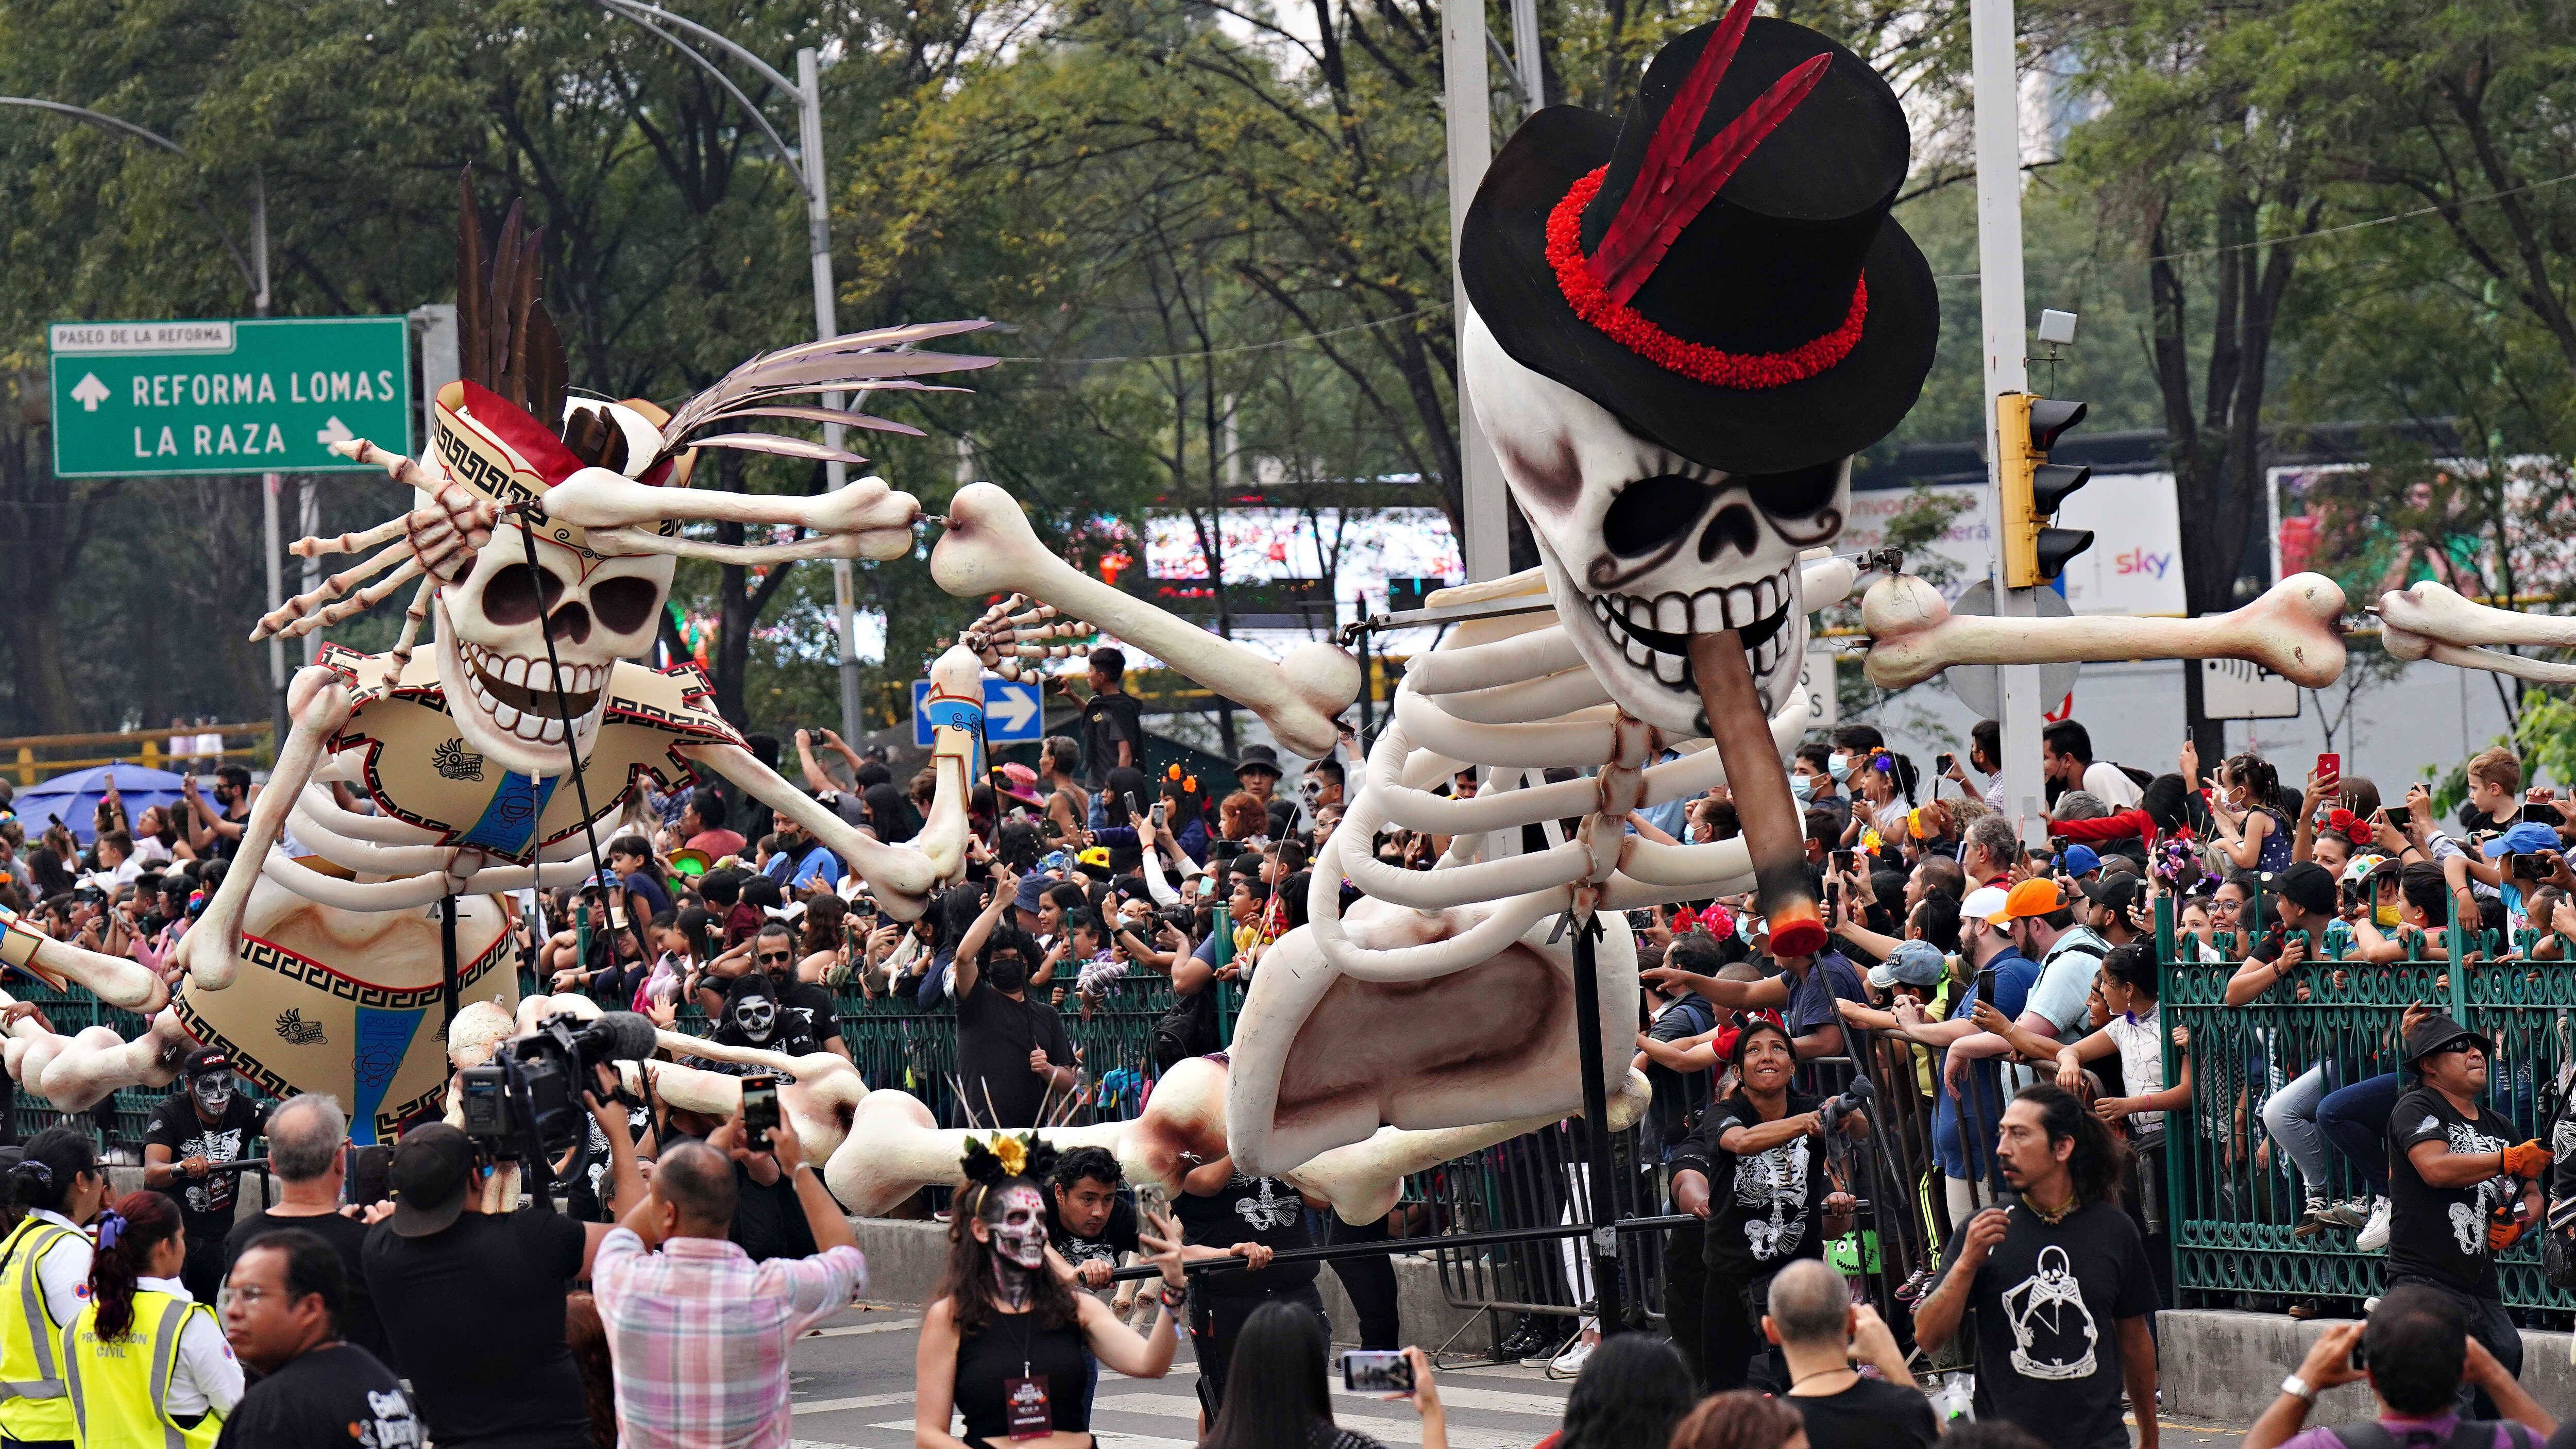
x=1014, y=711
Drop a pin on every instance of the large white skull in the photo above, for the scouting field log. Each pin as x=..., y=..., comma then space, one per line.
x=506, y=698
x=1643, y=547
x=492, y=645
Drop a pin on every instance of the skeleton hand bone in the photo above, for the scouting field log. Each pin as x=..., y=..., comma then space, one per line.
x=2430, y=621
x=2290, y=630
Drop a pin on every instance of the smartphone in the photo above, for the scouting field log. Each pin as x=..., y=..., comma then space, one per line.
x=2528, y=867
x=1842, y=860
x=759, y=1111
x=1156, y=815
x=370, y=1175
x=2540, y=814
x=1377, y=1371
x=1151, y=1199
x=2329, y=772
x=2360, y=1358
x=1942, y=763
x=1986, y=984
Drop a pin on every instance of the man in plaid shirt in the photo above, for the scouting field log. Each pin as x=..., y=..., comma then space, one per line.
x=698, y=1332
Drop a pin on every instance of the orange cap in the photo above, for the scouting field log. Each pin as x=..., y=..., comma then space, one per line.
x=2030, y=898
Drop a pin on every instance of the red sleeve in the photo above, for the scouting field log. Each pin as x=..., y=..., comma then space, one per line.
x=2118, y=826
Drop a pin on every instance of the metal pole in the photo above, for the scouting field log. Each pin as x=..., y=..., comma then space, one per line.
x=1525, y=56
x=1601, y=1168
x=1487, y=535
x=270, y=484
x=818, y=229
x=1998, y=120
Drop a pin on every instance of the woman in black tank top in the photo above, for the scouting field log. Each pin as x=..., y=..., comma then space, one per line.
x=1008, y=1344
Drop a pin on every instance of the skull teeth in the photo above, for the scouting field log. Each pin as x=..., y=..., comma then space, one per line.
x=1652, y=630
x=528, y=697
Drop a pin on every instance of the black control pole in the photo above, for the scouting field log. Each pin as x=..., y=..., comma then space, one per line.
x=447, y=943
x=1604, y=1238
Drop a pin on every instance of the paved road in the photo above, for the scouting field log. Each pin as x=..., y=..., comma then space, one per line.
x=853, y=1388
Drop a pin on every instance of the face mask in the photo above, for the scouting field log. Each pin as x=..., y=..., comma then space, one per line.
x=1802, y=786
x=756, y=1016
x=1838, y=765
x=1007, y=973
x=1018, y=1223
x=2385, y=916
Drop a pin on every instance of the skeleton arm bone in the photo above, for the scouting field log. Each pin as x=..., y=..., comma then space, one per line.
x=989, y=549
x=902, y=877
x=2289, y=630
x=113, y=979
x=812, y=546
x=878, y=518
x=411, y=892
x=2430, y=621
x=319, y=701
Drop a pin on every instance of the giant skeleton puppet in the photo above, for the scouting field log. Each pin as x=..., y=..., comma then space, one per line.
x=1684, y=325
x=544, y=539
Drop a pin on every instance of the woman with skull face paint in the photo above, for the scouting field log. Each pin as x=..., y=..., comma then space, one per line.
x=1008, y=1345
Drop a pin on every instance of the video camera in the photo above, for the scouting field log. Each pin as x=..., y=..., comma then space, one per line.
x=526, y=1103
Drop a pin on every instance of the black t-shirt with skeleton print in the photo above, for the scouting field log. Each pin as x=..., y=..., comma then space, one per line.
x=2047, y=1304
x=1765, y=1209
x=2440, y=1233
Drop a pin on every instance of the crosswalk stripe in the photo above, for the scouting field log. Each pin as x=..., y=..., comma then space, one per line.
x=864, y=1401
x=1103, y=1438
x=848, y=1329
x=1459, y=1396
x=1406, y=1430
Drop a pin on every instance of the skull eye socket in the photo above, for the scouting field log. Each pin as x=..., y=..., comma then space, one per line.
x=1652, y=512
x=1797, y=493
x=513, y=595
x=623, y=605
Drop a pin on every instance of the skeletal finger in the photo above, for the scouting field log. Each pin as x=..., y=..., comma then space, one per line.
x=360, y=602
x=400, y=468
x=348, y=542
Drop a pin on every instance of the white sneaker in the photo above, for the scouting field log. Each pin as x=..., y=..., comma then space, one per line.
x=2374, y=1234
x=1570, y=1362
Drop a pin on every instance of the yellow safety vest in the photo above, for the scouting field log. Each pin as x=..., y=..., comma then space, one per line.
x=35, y=1406
x=120, y=1389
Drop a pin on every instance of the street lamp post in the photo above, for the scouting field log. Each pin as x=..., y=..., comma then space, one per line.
x=807, y=172
x=2007, y=369
x=254, y=270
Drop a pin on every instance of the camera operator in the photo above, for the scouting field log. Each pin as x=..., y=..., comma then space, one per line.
x=194, y=1132
x=1752, y=1168
x=473, y=1300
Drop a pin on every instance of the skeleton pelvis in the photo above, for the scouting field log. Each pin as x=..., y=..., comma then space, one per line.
x=349, y=1004
x=1321, y=1059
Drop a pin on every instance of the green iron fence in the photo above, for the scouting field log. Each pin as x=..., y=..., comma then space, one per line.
x=2235, y=1198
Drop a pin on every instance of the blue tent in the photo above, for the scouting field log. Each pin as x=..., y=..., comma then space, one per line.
x=75, y=797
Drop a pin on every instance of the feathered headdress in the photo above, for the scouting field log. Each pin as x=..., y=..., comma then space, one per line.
x=1026, y=1155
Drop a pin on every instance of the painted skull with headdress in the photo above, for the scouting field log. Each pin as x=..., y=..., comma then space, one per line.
x=542, y=543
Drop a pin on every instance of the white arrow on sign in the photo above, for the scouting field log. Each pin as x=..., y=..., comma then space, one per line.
x=334, y=431
x=89, y=392
x=1012, y=706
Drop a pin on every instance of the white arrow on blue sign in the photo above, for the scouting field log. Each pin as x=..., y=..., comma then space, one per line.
x=1014, y=711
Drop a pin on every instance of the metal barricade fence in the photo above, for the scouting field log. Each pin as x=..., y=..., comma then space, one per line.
x=2234, y=1194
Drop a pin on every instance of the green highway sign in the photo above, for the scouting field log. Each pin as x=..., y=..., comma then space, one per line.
x=245, y=395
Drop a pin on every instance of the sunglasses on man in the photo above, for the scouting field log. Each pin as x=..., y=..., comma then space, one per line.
x=767, y=958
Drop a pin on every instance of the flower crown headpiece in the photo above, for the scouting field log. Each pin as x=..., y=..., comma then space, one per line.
x=1026, y=1155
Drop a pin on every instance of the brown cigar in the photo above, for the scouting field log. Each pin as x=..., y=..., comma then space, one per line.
x=1775, y=829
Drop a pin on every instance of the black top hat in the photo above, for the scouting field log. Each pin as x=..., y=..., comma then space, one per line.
x=1258, y=757
x=1719, y=269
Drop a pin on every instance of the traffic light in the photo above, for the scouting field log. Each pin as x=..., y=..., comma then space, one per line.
x=2033, y=487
